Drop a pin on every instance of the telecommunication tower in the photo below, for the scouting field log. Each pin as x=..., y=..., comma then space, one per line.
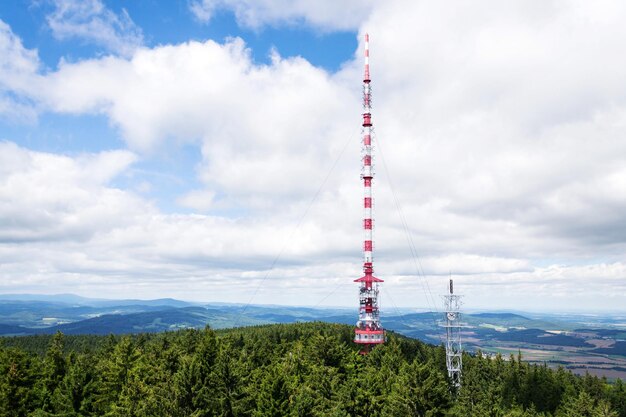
x=452, y=324
x=368, y=331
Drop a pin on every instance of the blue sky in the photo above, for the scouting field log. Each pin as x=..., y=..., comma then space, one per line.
x=175, y=149
x=173, y=22
x=159, y=23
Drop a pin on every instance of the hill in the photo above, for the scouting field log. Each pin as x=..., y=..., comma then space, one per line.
x=502, y=316
x=7, y=329
x=557, y=340
x=300, y=369
x=152, y=321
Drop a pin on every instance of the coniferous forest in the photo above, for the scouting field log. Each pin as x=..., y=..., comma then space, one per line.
x=304, y=369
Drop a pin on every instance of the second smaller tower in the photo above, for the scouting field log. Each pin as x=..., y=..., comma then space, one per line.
x=452, y=323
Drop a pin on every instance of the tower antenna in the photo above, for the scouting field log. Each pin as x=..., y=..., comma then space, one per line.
x=368, y=331
x=454, y=359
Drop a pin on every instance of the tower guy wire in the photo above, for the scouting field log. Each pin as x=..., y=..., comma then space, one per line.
x=294, y=230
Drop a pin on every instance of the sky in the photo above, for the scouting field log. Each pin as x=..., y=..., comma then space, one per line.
x=209, y=150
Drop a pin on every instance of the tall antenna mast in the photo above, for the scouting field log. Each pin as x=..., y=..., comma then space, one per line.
x=368, y=331
x=454, y=360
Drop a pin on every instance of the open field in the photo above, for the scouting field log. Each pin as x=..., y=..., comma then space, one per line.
x=585, y=354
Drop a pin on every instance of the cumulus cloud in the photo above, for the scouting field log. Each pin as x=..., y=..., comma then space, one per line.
x=220, y=99
x=17, y=62
x=46, y=197
x=91, y=21
x=324, y=14
x=508, y=113
x=18, y=66
x=499, y=134
x=65, y=222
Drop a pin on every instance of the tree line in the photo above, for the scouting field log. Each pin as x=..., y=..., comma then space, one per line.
x=303, y=369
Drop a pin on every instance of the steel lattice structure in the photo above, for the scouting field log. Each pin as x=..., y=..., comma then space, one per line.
x=369, y=330
x=452, y=323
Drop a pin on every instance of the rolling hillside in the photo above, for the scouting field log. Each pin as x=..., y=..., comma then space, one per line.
x=541, y=339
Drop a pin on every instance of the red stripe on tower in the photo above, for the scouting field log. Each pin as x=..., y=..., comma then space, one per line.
x=368, y=331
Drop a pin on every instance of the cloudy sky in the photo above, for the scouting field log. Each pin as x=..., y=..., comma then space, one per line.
x=210, y=150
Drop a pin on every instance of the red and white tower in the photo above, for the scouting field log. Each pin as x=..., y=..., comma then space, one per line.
x=368, y=329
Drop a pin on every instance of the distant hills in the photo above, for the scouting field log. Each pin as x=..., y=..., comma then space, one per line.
x=24, y=314
x=153, y=321
x=501, y=316
x=593, y=343
x=77, y=300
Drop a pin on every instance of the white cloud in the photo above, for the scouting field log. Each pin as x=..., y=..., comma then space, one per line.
x=200, y=200
x=18, y=66
x=91, y=21
x=221, y=101
x=66, y=223
x=16, y=61
x=46, y=197
x=501, y=126
x=324, y=14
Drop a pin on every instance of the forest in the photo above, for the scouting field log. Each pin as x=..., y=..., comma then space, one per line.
x=302, y=369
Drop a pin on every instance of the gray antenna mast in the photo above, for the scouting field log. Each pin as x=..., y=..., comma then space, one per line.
x=452, y=323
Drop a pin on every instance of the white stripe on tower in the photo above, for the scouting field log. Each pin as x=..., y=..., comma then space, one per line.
x=368, y=329
x=367, y=160
x=367, y=57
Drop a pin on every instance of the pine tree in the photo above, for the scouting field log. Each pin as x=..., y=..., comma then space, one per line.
x=76, y=391
x=114, y=370
x=419, y=390
x=54, y=369
x=617, y=397
x=273, y=395
x=17, y=381
x=580, y=406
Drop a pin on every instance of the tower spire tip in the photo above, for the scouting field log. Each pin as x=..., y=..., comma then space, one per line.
x=366, y=74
